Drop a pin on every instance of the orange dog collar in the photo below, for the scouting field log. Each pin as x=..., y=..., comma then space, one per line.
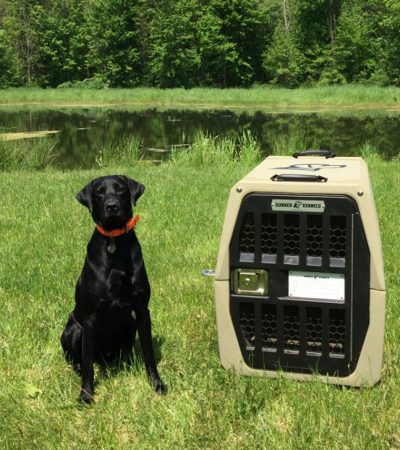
x=119, y=231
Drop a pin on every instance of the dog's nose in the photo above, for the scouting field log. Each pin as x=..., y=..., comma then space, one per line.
x=112, y=207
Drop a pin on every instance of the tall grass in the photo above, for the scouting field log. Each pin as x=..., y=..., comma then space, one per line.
x=28, y=154
x=37, y=154
x=41, y=153
x=288, y=144
x=123, y=152
x=208, y=150
x=44, y=234
x=249, y=151
x=369, y=153
x=343, y=96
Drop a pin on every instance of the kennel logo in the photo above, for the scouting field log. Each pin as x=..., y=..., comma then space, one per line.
x=312, y=167
x=283, y=204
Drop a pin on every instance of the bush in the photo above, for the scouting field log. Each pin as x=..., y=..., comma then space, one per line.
x=96, y=82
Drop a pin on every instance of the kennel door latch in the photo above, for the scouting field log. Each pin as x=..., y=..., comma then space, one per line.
x=250, y=281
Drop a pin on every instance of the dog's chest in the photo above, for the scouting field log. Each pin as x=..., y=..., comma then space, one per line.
x=111, y=280
x=118, y=291
x=119, y=287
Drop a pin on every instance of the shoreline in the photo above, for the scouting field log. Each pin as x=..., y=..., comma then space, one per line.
x=267, y=98
x=278, y=107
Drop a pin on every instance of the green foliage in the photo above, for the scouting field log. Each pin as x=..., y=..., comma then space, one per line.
x=48, y=40
x=217, y=52
x=330, y=74
x=6, y=62
x=22, y=38
x=214, y=43
x=391, y=56
x=282, y=60
x=244, y=31
x=61, y=42
x=187, y=43
x=316, y=34
x=359, y=40
x=174, y=51
x=96, y=82
x=113, y=44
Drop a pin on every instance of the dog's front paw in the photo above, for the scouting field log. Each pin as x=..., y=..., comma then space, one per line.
x=86, y=397
x=159, y=386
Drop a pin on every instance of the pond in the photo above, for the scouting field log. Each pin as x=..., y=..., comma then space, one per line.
x=84, y=131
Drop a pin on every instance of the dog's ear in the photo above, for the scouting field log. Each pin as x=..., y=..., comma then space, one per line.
x=85, y=196
x=136, y=189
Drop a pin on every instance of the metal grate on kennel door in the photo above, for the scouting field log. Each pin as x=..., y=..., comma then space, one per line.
x=299, y=284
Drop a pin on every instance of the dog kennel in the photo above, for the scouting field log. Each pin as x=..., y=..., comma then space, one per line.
x=299, y=282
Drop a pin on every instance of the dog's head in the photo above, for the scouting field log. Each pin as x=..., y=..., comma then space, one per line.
x=110, y=198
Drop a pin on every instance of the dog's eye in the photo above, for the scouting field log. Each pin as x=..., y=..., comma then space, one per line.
x=120, y=189
x=101, y=190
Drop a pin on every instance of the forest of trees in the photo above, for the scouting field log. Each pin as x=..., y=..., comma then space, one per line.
x=188, y=43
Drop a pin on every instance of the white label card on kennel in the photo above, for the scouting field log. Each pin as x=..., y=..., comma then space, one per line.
x=317, y=285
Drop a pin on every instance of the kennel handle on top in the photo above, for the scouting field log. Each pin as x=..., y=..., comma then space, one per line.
x=318, y=152
x=299, y=177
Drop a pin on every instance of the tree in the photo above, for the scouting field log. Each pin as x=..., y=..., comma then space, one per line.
x=114, y=52
x=390, y=71
x=282, y=60
x=244, y=32
x=174, y=54
x=7, y=74
x=186, y=43
x=61, y=42
x=316, y=36
x=355, y=50
x=218, y=54
x=18, y=26
x=47, y=39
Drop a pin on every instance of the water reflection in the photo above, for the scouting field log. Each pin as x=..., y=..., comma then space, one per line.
x=83, y=132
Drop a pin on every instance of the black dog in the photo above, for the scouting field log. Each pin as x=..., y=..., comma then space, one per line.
x=113, y=291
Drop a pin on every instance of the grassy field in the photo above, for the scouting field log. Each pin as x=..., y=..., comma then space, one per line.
x=346, y=96
x=44, y=233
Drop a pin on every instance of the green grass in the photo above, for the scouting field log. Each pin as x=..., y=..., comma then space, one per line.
x=344, y=97
x=288, y=144
x=123, y=152
x=28, y=154
x=208, y=151
x=37, y=154
x=44, y=233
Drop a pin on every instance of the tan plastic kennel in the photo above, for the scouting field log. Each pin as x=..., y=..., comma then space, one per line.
x=299, y=283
